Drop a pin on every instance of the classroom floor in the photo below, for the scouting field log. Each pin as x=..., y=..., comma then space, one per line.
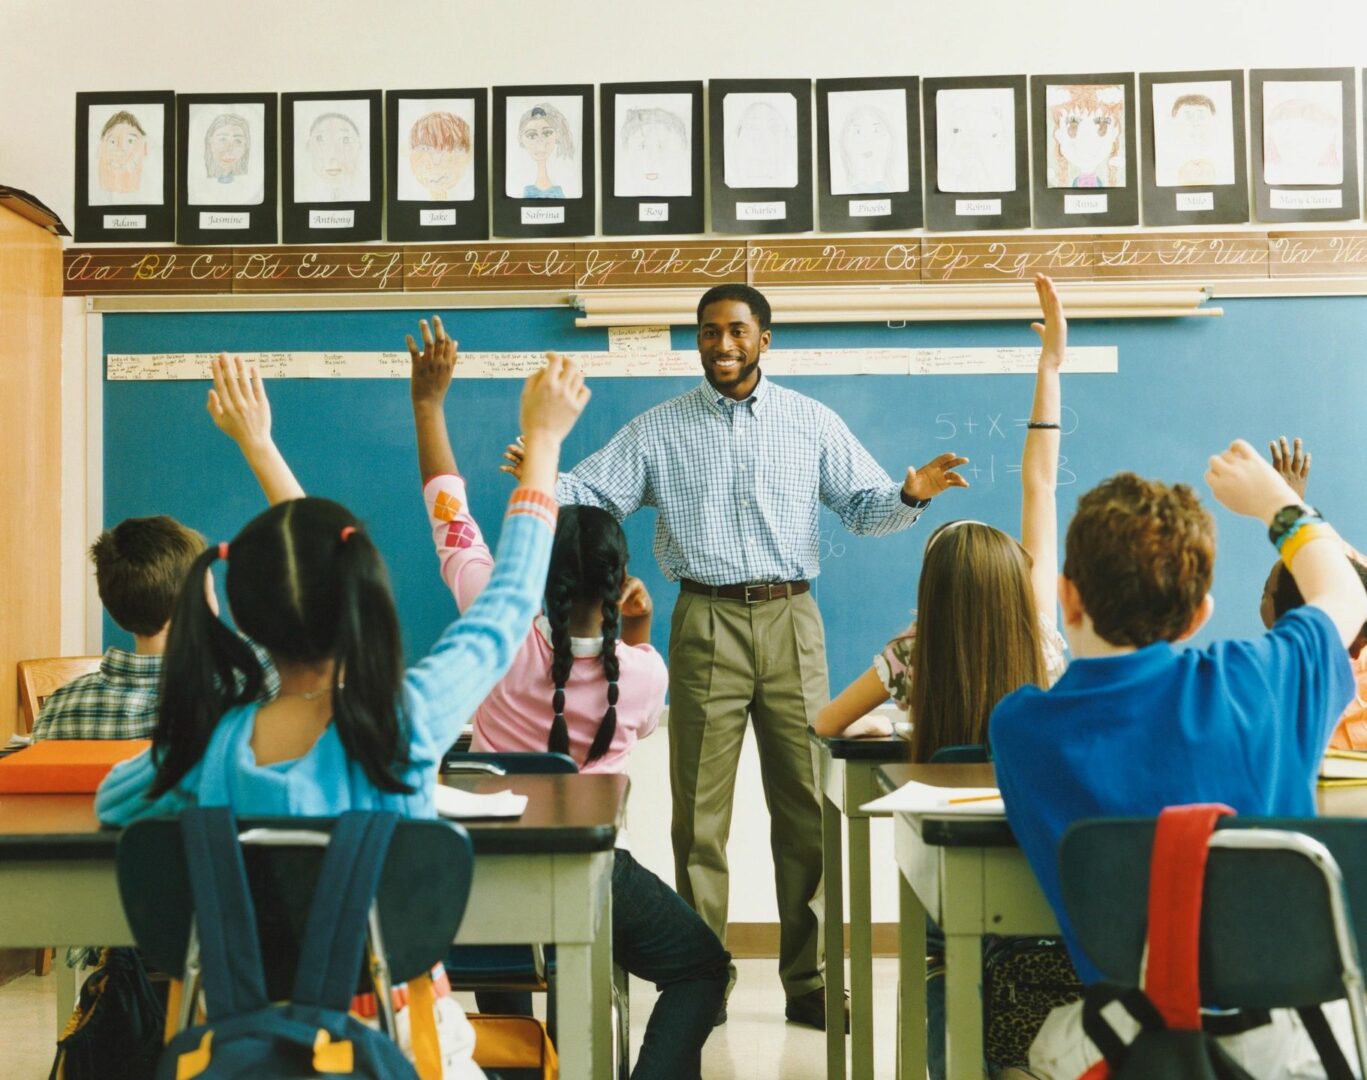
x=755, y=1044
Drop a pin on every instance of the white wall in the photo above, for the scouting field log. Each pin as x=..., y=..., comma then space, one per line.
x=50, y=49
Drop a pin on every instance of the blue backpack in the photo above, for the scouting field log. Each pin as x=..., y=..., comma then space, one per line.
x=245, y=1035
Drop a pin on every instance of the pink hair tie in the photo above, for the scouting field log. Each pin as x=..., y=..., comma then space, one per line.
x=347, y=532
x=223, y=550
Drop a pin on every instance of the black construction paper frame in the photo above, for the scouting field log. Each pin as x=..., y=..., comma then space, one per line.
x=865, y=213
x=261, y=227
x=158, y=220
x=729, y=203
x=299, y=218
x=1052, y=205
x=1012, y=209
x=1228, y=202
x=1349, y=208
x=578, y=213
x=628, y=215
x=403, y=218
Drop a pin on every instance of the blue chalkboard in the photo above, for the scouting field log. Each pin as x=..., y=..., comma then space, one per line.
x=1185, y=388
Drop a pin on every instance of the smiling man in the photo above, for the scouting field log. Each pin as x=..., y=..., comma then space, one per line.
x=739, y=469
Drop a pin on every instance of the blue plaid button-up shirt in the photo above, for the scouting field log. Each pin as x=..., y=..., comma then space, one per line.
x=739, y=484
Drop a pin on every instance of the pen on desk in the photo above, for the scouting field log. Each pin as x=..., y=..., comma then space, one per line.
x=974, y=798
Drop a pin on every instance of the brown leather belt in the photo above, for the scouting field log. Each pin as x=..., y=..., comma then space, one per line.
x=752, y=594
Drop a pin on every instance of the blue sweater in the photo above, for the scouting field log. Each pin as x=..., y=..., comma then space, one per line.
x=439, y=695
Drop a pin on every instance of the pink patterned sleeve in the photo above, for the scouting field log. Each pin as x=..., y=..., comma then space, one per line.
x=466, y=563
x=894, y=666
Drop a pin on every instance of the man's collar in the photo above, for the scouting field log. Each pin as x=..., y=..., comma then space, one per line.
x=721, y=401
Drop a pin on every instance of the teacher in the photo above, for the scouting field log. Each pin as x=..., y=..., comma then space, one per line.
x=738, y=469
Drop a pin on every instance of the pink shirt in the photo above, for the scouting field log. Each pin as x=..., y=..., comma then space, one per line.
x=516, y=716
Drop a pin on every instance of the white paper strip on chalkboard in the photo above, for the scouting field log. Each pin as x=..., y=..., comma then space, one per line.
x=622, y=363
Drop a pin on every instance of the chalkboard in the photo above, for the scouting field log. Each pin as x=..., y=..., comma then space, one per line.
x=1185, y=388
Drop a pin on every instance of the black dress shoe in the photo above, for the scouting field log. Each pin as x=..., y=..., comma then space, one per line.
x=810, y=1009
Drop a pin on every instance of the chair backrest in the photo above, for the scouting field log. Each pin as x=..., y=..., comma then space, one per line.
x=968, y=754
x=421, y=899
x=39, y=678
x=1267, y=928
x=540, y=762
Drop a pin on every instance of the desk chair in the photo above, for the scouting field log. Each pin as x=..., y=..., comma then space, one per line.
x=521, y=969
x=1285, y=904
x=423, y=890
x=967, y=754
x=37, y=679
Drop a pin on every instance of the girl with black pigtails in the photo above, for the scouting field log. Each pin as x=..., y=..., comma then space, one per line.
x=586, y=683
x=350, y=729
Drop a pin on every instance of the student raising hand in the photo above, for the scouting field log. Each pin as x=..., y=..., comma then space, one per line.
x=552, y=400
x=240, y=409
x=433, y=366
x=1292, y=462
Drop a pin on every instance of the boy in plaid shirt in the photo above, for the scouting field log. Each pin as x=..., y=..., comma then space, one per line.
x=139, y=567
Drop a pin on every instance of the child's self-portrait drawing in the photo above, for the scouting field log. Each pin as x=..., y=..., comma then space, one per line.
x=224, y=163
x=1193, y=133
x=542, y=151
x=1303, y=132
x=868, y=141
x=124, y=163
x=760, y=141
x=1086, y=135
x=436, y=149
x=975, y=141
x=331, y=150
x=653, y=143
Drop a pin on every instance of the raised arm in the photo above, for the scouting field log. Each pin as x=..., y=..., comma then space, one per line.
x=464, y=557
x=1039, y=466
x=1248, y=485
x=241, y=410
x=477, y=649
x=865, y=498
x=1292, y=462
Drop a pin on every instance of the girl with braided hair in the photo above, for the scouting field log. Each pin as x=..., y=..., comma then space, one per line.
x=586, y=683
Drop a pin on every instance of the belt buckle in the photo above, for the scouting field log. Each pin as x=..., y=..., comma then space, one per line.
x=768, y=594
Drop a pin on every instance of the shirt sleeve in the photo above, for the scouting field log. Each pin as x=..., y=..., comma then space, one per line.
x=122, y=795
x=466, y=562
x=893, y=665
x=614, y=479
x=444, y=689
x=856, y=488
x=1308, y=676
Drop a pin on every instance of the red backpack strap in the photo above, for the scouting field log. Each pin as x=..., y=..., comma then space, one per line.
x=1177, y=875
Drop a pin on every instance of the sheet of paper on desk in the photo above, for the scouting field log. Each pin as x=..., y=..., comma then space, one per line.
x=914, y=798
x=463, y=805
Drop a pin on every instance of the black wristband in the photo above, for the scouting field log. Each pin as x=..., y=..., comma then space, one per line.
x=1043, y=425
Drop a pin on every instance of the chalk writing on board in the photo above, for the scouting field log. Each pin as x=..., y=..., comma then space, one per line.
x=830, y=547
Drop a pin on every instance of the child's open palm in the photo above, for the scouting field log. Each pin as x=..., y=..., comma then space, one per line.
x=238, y=403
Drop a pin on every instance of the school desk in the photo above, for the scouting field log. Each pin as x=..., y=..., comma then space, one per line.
x=972, y=879
x=544, y=877
x=847, y=768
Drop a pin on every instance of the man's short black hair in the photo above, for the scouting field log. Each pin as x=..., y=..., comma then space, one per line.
x=759, y=306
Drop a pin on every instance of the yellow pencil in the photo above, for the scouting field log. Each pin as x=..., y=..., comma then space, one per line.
x=974, y=798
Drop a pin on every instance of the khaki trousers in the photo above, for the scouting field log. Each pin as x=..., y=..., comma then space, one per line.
x=729, y=660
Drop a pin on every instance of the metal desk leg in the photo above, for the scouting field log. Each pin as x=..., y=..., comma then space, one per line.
x=583, y=984
x=861, y=953
x=963, y=1005
x=832, y=823
x=911, y=983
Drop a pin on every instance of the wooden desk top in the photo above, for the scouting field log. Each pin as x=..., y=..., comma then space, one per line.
x=889, y=748
x=567, y=813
